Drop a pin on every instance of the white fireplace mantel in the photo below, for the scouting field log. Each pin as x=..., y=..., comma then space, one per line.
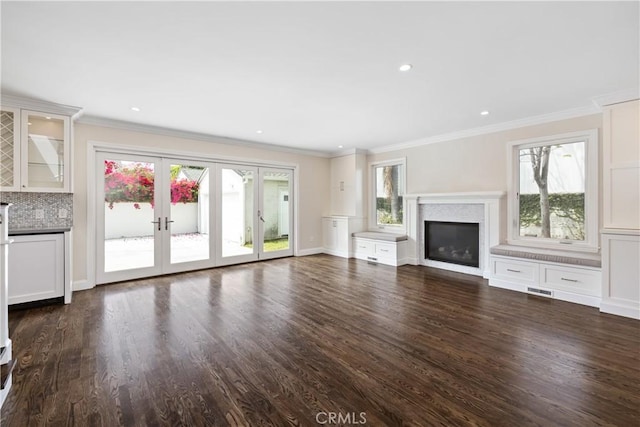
x=492, y=202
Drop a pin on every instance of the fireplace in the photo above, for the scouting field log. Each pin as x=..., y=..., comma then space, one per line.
x=452, y=242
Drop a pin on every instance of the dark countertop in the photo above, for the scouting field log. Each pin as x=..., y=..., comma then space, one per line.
x=45, y=230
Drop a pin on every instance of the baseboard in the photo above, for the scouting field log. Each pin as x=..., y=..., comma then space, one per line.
x=626, y=310
x=310, y=251
x=81, y=285
x=342, y=254
x=577, y=298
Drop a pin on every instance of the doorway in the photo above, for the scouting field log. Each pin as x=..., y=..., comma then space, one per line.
x=159, y=215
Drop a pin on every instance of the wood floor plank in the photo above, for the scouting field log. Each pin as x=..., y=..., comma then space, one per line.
x=277, y=342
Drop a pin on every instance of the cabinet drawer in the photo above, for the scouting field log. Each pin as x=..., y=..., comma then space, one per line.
x=514, y=270
x=569, y=279
x=385, y=250
x=364, y=247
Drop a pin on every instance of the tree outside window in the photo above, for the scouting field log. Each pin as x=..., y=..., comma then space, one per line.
x=389, y=189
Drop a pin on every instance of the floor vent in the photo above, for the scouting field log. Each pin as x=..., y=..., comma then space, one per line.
x=541, y=292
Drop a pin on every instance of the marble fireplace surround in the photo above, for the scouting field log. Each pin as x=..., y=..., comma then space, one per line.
x=483, y=208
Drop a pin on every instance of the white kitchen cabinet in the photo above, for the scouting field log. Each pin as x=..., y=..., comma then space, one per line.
x=336, y=234
x=9, y=149
x=35, y=146
x=36, y=267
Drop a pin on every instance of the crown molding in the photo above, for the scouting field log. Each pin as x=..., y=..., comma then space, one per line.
x=348, y=152
x=175, y=133
x=498, y=127
x=616, y=97
x=39, y=105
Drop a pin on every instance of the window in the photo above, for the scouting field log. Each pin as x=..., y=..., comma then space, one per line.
x=553, y=195
x=388, y=184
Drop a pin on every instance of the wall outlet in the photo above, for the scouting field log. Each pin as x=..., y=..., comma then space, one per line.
x=39, y=213
x=62, y=213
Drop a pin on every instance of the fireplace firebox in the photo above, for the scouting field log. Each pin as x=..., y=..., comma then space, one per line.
x=452, y=242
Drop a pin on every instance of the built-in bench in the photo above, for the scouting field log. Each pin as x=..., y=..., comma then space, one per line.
x=379, y=247
x=564, y=275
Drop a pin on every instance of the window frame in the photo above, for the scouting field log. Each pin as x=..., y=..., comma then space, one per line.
x=591, y=208
x=373, y=215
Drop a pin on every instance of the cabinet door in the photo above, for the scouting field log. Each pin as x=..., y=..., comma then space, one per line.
x=45, y=149
x=9, y=149
x=36, y=268
x=329, y=233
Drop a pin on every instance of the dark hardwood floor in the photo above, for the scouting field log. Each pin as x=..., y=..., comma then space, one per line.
x=279, y=342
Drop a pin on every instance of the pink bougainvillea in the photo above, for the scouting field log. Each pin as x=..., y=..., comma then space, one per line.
x=135, y=183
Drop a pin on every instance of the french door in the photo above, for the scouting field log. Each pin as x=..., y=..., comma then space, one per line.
x=164, y=215
x=254, y=213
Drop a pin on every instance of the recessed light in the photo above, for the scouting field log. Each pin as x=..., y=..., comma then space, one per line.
x=259, y=131
x=136, y=109
x=484, y=113
x=340, y=146
x=29, y=123
x=48, y=118
x=405, y=67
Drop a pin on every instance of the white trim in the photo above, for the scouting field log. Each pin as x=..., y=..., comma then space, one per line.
x=491, y=201
x=499, y=127
x=621, y=308
x=41, y=106
x=373, y=217
x=183, y=154
x=310, y=251
x=158, y=130
x=590, y=244
x=616, y=97
x=348, y=152
x=620, y=231
x=82, y=285
x=68, y=290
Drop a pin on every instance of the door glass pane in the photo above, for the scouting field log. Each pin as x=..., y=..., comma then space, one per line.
x=128, y=215
x=275, y=215
x=189, y=195
x=7, y=148
x=552, y=190
x=45, y=164
x=237, y=211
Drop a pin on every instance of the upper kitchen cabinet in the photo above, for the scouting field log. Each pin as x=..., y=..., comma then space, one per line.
x=45, y=147
x=10, y=149
x=35, y=145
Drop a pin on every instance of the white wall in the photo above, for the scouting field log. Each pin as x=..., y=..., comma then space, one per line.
x=313, y=180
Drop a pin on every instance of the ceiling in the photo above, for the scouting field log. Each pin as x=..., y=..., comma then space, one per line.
x=318, y=75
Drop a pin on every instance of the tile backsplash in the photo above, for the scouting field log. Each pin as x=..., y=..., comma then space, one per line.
x=38, y=210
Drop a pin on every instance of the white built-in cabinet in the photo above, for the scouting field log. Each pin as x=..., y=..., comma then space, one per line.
x=567, y=282
x=621, y=209
x=336, y=234
x=46, y=279
x=35, y=151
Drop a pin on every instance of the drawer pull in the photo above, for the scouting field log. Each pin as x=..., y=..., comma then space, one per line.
x=384, y=250
x=514, y=271
x=568, y=280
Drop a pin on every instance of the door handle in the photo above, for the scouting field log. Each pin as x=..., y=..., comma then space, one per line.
x=260, y=216
x=166, y=222
x=157, y=222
